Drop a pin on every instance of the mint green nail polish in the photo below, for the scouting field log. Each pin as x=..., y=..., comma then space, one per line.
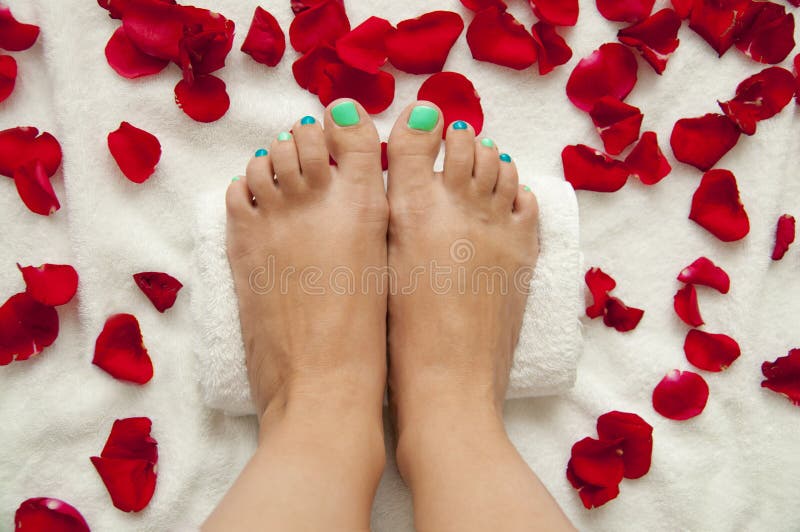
x=506, y=158
x=423, y=118
x=284, y=135
x=261, y=153
x=526, y=188
x=489, y=143
x=460, y=124
x=306, y=120
x=235, y=179
x=345, y=114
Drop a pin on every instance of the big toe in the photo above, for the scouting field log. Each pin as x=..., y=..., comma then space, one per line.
x=353, y=141
x=413, y=146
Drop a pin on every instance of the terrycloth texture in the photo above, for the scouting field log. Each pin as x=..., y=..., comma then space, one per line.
x=550, y=339
x=732, y=468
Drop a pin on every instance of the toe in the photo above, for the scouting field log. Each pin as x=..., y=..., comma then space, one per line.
x=459, y=155
x=507, y=183
x=353, y=141
x=286, y=163
x=526, y=207
x=414, y=144
x=261, y=177
x=312, y=152
x=487, y=165
x=238, y=198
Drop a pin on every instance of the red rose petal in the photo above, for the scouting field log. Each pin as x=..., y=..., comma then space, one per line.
x=591, y=496
x=682, y=7
x=15, y=36
x=120, y=352
x=136, y=151
x=784, y=236
x=205, y=100
x=364, y=47
x=598, y=462
x=759, y=97
x=128, y=61
x=686, y=306
x=783, y=375
x=625, y=11
x=456, y=97
x=637, y=440
x=130, y=438
x=309, y=70
x=160, y=288
x=556, y=12
x=374, y=91
x=298, y=6
x=706, y=273
x=711, y=352
x=43, y=514
x=50, y=284
x=421, y=45
x=208, y=37
x=599, y=284
x=703, y=141
x=21, y=145
x=680, y=395
x=656, y=37
x=621, y=317
x=551, y=47
x=35, y=189
x=588, y=169
x=155, y=28
x=384, y=156
x=321, y=24
x=769, y=38
x=480, y=5
x=646, y=161
x=719, y=22
x=8, y=76
x=608, y=71
x=497, y=37
x=26, y=328
x=265, y=41
x=717, y=208
x=617, y=123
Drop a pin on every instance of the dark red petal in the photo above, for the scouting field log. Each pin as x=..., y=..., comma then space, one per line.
x=716, y=206
x=120, y=352
x=783, y=375
x=598, y=462
x=160, y=288
x=591, y=496
x=625, y=10
x=265, y=41
x=456, y=97
x=421, y=45
x=480, y=5
x=136, y=151
x=298, y=6
x=656, y=37
x=130, y=438
x=155, y=28
x=556, y=12
x=617, y=123
x=35, y=189
x=497, y=37
x=384, y=156
x=711, y=352
x=43, y=514
x=769, y=38
x=20, y=145
x=784, y=236
x=599, y=284
x=682, y=7
x=50, y=284
x=797, y=74
x=759, y=97
x=364, y=47
x=374, y=91
x=128, y=61
x=704, y=272
x=205, y=100
x=321, y=24
x=637, y=440
x=15, y=36
x=620, y=316
x=719, y=22
x=130, y=483
x=608, y=71
x=309, y=70
x=551, y=47
x=588, y=169
x=680, y=395
x=646, y=161
x=686, y=307
x=208, y=37
x=703, y=141
x=26, y=327
x=8, y=76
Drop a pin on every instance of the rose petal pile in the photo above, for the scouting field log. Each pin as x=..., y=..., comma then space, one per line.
x=120, y=351
x=160, y=288
x=31, y=160
x=615, y=313
x=14, y=37
x=44, y=514
x=782, y=375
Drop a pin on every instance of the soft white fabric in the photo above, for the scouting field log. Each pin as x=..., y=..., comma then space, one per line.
x=550, y=339
x=734, y=467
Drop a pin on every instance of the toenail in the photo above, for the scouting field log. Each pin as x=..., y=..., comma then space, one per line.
x=235, y=179
x=306, y=120
x=261, y=153
x=506, y=158
x=526, y=188
x=423, y=118
x=460, y=124
x=284, y=135
x=489, y=143
x=345, y=114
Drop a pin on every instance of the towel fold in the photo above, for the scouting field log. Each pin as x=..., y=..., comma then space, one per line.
x=550, y=340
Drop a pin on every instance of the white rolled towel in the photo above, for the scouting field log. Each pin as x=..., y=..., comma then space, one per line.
x=550, y=341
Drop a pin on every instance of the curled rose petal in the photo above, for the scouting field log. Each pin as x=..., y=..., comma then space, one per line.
x=588, y=169
x=551, y=47
x=625, y=11
x=50, y=284
x=711, y=352
x=637, y=440
x=703, y=141
x=321, y=24
x=160, y=288
x=784, y=236
x=617, y=123
x=265, y=41
x=599, y=284
x=205, y=100
x=43, y=514
x=15, y=36
x=706, y=273
x=374, y=91
x=591, y=496
x=783, y=375
x=364, y=47
x=456, y=97
x=120, y=352
x=21, y=145
x=480, y=5
x=621, y=317
x=497, y=37
x=608, y=71
x=26, y=328
x=598, y=462
x=686, y=306
x=759, y=97
x=8, y=76
x=556, y=12
x=35, y=189
x=646, y=161
x=717, y=208
x=384, y=156
x=719, y=22
x=421, y=45
x=136, y=151
x=656, y=37
x=769, y=38
x=680, y=395
x=128, y=61
x=309, y=70
x=130, y=438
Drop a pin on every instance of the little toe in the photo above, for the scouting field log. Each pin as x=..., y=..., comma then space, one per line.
x=414, y=144
x=239, y=198
x=526, y=207
x=312, y=151
x=353, y=142
x=487, y=165
x=507, y=183
x=459, y=155
x=286, y=163
x=261, y=177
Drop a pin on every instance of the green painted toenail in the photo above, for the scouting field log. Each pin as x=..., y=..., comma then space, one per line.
x=423, y=118
x=526, y=188
x=345, y=114
x=261, y=153
x=284, y=135
x=460, y=124
x=506, y=158
x=235, y=179
x=489, y=143
x=306, y=120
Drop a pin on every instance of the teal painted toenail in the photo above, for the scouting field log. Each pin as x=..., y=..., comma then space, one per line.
x=235, y=179
x=526, y=188
x=423, y=118
x=460, y=124
x=345, y=114
x=284, y=135
x=261, y=153
x=489, y=143
x=306, y=120
x=506, y=158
